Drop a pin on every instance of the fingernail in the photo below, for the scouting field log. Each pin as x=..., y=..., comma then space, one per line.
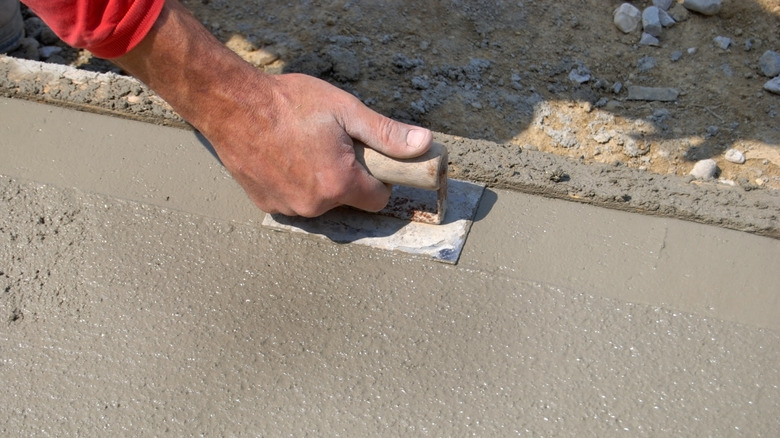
x=416, y=138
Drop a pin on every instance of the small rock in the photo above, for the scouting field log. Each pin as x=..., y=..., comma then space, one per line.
x=770, y=63
x=47, y=52
x=666, y=19
x=663, y=5
x=28, y=49
x=735, y=156
x=617, y=87
x=773, y=85
x=705, y=7
x=646, y=63
x=48, y=37
x=651, y=21
x=676, y=55
x=652, y=93
x=558, y=175
x=704, y=169
x=579, y=75
x=261, y=57
x=649, y=40
x=633, y=148
x=627, y=17
x=33, y=27
x=602, y=137
x=679, y=13
x=722, y=42
x=660, y=115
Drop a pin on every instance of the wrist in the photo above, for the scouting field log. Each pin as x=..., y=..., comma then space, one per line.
x=204, y=81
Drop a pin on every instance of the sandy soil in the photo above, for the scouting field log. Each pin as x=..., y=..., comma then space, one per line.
x=500, y=71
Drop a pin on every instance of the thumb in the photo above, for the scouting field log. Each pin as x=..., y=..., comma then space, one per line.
x=385, y=135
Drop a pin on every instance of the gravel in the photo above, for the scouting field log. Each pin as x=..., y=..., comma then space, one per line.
x=705, y=169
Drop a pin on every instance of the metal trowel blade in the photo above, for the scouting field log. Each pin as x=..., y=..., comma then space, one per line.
x=443, y=242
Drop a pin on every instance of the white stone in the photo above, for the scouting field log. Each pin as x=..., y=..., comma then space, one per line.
x=773, y=85
x=722, y=42
x=627, y=17
x=735, y=156
x=649, y=40
x=770, y=63
x=579, y=75
x=704, y=169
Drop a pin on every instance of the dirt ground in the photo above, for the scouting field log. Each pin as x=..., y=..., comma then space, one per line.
x=506, y=72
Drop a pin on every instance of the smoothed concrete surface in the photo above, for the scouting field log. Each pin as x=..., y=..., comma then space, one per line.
x=140, y=295
x=505, y=166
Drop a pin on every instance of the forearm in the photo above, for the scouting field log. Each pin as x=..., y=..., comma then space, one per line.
x=204, y=81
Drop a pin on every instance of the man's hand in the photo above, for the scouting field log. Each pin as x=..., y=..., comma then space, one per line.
x=286, y=139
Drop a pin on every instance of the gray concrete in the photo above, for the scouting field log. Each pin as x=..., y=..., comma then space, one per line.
x=141, y=297
x=498, y=165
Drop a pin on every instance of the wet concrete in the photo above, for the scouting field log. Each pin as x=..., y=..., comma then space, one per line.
x=140, y=294
x=497, y=165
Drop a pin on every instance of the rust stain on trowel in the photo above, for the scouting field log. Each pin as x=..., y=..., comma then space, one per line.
x=443, y=242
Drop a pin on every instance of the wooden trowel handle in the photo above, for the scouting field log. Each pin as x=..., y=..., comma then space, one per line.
x=423, y=172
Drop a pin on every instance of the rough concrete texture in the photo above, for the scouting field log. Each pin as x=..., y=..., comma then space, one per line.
x=498, y=165
x=158, y=306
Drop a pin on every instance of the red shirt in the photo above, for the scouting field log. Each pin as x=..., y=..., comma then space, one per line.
x=107, y=28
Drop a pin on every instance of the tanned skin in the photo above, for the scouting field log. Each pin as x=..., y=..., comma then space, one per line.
x=287, y=139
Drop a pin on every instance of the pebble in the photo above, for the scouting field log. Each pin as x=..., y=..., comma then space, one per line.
x=634, y=148
x=47, y=52
x=28, y=49
x=649, y=40
x=33, y=27
x=722, y=42
x=735, y=156
x=705, y=7
x=261, y=57
x=773, y=85
x=666, y=19
x=646, y=63
x=679, y=13
x=627, y=17
x=579, y=75
x=664, y=5
x=770, y=63
x=704, y=169
x=602, y=137
x=652, y=93
x=651, y=21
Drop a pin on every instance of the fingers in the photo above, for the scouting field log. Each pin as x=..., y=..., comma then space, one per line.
x=368, y=193
x=385, y=135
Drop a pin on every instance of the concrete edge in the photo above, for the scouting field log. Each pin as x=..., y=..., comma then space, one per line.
x=496, y=165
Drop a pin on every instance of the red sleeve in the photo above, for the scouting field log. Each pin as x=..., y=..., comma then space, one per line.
x=107, y=28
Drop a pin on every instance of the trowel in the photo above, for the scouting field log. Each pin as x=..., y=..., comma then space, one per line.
x=429, y=215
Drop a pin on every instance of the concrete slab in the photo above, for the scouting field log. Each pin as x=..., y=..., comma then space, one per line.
x=141, y=295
